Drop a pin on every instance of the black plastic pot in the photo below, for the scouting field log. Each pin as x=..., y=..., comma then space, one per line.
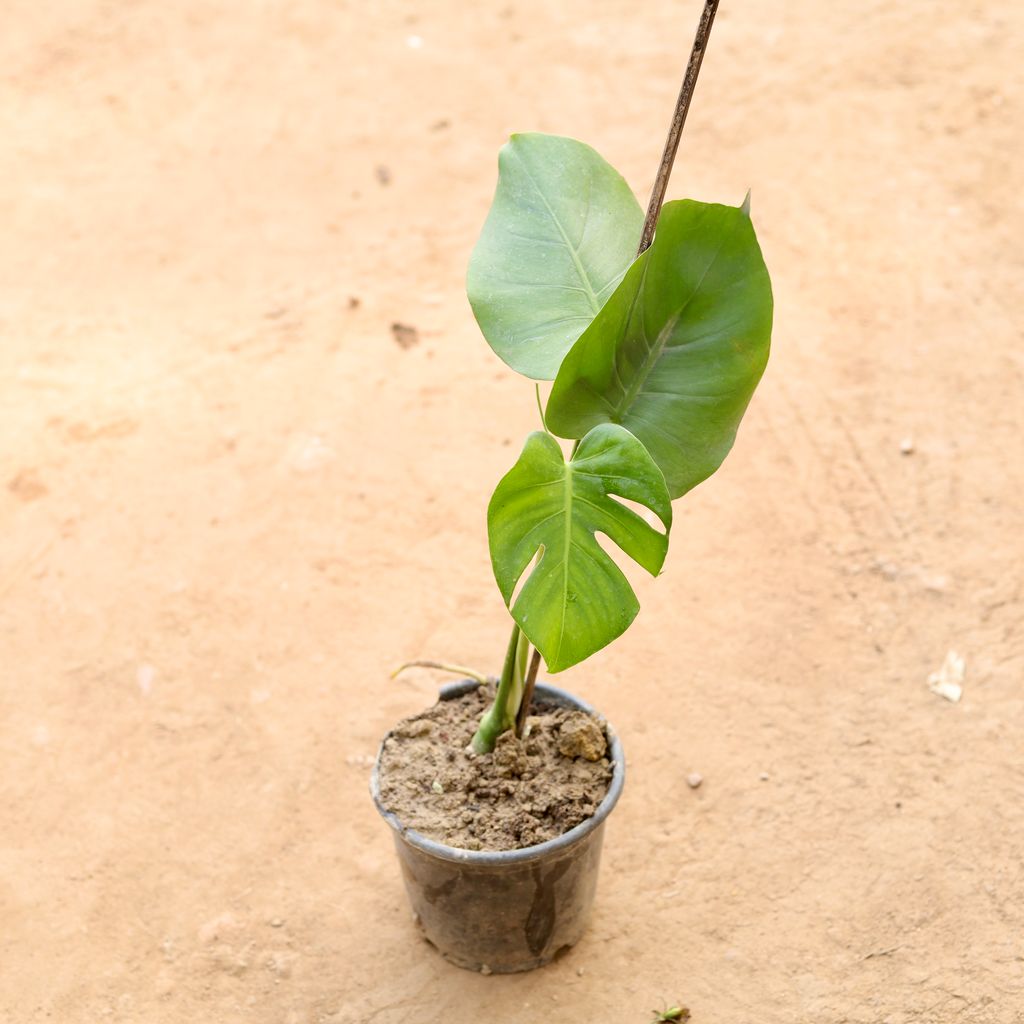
x=512, y=910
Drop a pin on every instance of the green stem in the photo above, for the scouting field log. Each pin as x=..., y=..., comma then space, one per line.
x=501, y=715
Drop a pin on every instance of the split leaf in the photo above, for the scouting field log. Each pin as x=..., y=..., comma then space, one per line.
x=576, y=600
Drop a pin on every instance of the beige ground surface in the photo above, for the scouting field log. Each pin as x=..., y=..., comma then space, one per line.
x=230, y=503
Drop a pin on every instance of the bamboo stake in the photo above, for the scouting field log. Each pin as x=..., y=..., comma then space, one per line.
x=675, y=131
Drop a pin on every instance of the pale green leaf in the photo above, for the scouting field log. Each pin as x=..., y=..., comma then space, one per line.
x=561, y=232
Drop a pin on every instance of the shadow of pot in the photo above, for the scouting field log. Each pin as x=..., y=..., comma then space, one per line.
x=510, y=910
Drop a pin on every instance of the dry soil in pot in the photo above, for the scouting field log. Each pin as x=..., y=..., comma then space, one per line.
x=526, y=792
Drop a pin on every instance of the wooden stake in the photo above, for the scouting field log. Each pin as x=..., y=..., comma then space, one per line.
x=700, y=43
x=531, y=682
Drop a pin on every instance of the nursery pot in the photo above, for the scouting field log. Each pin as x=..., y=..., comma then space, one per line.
x=509, y=910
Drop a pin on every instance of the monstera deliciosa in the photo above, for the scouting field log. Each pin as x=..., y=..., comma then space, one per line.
x=654, y=359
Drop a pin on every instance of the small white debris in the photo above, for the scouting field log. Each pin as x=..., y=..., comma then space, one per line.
x=414, y=42
x=360, y=760
x=947, y=682
x=308, y=453
x=218, y=927
x=887, y=570
x=763, y=776
x=144, y=677
x=935, y=583
x=579, y=972
x=484, y=969
x=437, y=787
x=907, y=446
x=694, y=779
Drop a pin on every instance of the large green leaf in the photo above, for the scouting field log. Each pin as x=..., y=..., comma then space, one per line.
x=575, y=600
x=676, y=352
x=562, y=230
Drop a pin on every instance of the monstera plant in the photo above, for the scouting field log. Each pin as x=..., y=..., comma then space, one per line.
x=653, y=360
x=652, y=357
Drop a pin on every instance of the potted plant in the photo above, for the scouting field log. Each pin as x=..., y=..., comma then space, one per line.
x=498, y=795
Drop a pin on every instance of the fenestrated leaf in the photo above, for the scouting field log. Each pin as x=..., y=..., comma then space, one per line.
x=676, y=352
x=562, y=230
x=575, y=600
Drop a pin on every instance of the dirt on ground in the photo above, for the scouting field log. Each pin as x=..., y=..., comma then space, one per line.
x=234, y=497
x=527, y=791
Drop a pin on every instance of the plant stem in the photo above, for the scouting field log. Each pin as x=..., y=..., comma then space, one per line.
x=531, y=682
x=700, y=43
x=501, y=715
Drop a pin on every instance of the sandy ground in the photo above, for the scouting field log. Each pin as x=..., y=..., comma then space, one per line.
x=231, y=503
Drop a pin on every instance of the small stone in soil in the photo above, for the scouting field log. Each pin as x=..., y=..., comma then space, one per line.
x=581, y=736
x=509, y=754
x=763, y=776
x=694, y=779
x=410, y=730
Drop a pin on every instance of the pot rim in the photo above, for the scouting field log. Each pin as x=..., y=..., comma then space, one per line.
x=489, y=858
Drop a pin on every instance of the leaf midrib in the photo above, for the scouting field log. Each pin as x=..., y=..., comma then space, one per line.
x=567, y=495
x=655, y=351
x=577, y=262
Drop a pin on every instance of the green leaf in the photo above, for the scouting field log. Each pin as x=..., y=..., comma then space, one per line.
x=675, y=354
x=562, y=230
x=575, y=600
